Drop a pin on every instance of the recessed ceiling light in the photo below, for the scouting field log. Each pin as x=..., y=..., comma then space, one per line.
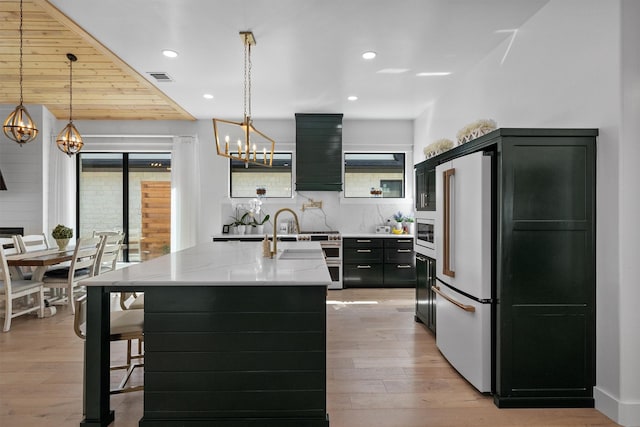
x=170, y=53
x=207, y=96
x=437, y=74
x=369, y=55
x=352, y=98
x=392, y=70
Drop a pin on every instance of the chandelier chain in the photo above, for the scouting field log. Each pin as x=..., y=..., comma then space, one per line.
x=20, y=52
x=70, y=90
x=247, y=77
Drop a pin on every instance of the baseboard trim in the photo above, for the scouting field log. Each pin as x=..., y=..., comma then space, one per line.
x=624, y=413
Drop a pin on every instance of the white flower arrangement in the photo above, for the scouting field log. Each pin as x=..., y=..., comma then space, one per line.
x=437, y=147
x=475, y=130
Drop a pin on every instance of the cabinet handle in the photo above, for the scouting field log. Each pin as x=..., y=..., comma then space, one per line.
x=422, y=200
x=419, y=258
x=366, y=251
x=404, y=240
x=403, y=266
x=404, y=250
x=448, y=215
x=363, y=241
x=364, y=266
x=464, y=307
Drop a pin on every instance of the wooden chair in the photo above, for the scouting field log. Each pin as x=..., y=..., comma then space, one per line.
x=11, y=290
x=124, y=325
x=108, y=256
x=83, y=266
x=32, y=242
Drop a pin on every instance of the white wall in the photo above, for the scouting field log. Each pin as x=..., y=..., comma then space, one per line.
x=23, y=170
x=564, y=70
x=214, y=206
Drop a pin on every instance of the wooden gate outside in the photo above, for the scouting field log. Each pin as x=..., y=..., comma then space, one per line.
x=155, y=239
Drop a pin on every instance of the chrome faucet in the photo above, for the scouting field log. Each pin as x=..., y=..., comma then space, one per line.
x=275, y=228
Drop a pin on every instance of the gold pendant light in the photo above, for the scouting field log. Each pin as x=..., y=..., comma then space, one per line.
x=19, y=126
x=69, y=140
x=251, y=145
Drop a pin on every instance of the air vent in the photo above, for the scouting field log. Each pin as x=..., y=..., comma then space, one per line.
x=161, y=77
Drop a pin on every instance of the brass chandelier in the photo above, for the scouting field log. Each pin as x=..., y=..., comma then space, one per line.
x=19, y=126
x=69, y=140
x=258, y=150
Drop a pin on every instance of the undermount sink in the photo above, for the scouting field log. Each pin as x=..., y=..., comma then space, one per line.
x=301, y=254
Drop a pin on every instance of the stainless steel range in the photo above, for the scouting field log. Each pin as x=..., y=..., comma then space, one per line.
x=331, y=243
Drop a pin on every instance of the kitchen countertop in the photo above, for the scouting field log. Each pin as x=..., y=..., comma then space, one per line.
x=222, y=264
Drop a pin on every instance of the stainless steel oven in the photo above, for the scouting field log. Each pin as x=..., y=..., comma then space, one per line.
x=331, y=243
x=425, y=236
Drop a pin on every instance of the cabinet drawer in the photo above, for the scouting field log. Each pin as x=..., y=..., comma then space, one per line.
x=400, y=275
x=363, y=242
x=362, y=275
x=358, y=255
x=401, y=242
x=399, y=255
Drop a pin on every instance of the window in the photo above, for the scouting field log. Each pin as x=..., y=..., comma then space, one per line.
x=130, y=192
x=373, y=175
x=249, y=180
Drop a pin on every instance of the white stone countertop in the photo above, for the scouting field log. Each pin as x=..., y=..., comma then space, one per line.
x=232, y=263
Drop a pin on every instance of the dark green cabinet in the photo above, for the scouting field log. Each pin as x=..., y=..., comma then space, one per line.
x=425, y=185
x=543, y=264
x=378, y=262
x=318, y=152
x=399, y=263
x=362, y=263
x=425, y=296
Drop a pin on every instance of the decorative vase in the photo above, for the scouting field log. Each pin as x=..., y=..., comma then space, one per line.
x=410, y=227
x=398, y=226
x=258, y=229
x=62, y=243
x=242, y=229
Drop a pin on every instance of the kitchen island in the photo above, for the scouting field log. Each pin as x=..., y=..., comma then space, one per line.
x=231, y=338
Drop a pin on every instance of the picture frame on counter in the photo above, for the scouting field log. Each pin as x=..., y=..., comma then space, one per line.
x=225, y=229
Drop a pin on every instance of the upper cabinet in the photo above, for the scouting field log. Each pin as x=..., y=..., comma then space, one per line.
x=318, y=152
x=425, y=185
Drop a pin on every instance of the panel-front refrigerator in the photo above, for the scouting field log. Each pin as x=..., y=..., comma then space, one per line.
x=463, y=266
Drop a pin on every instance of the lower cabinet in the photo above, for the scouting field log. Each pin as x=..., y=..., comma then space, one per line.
x=378, y=262
x=425, y=297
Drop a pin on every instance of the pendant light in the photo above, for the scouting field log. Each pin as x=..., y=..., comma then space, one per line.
x=19, y=126
x=258, y=150
x=69, y=140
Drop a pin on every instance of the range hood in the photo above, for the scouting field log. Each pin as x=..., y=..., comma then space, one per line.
x=318, y=152
x=3, y=186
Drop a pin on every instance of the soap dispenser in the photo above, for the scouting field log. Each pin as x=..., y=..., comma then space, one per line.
x=266, y=247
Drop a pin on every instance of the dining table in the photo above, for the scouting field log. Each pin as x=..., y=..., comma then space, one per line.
x=41, y=260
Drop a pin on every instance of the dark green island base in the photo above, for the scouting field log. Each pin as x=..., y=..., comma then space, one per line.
x=227, y=356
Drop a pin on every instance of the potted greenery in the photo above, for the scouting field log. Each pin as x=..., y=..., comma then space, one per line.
x=62, y=235
x=398, y=216
x=409, y=225
x=258, y=226
x=240, y=222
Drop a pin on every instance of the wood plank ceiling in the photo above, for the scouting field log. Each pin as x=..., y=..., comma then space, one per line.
x=104, y=86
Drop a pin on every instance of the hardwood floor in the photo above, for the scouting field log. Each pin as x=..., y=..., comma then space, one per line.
x=383, y=370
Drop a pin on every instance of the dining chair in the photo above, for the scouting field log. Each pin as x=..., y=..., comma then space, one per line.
x=110, y=251
x=124, y=325
x=32, y=242
x=83, y=266
x=13, y=289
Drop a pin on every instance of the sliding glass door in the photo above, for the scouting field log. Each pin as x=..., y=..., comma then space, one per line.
x=130, y=192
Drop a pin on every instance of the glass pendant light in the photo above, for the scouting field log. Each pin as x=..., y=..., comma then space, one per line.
x=19, y=126
x=69, y=140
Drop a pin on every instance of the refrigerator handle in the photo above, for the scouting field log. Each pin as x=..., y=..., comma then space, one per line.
x=448, y=216
x=464, y=307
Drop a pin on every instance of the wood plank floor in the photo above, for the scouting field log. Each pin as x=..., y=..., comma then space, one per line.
x=383, y=370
